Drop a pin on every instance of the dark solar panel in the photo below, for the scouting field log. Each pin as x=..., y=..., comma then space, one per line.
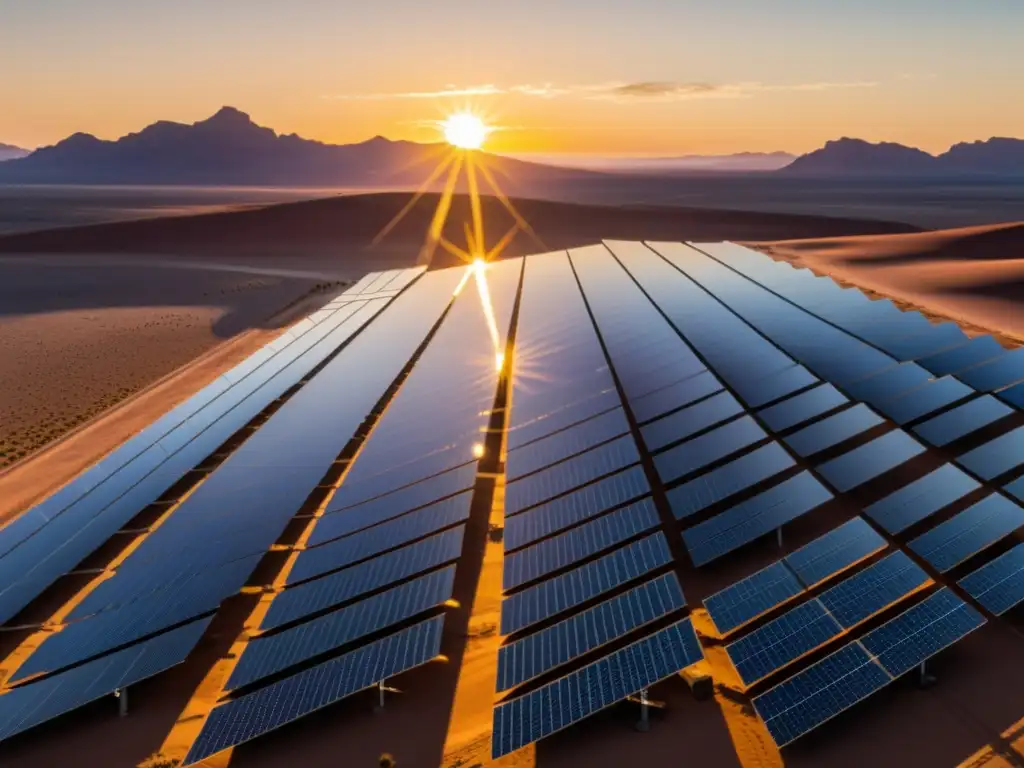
x=550, y=648
x=833, y=430
x=265, y=656
x=269, y=708
x=977, y=527
x=802, y=407
x=690, y=420
x=922, y=631
x=836, y=550
x=819, y=693
x=890, y=383
x=924, y=400
x=977, y=350
x=580, y=694
x=719, y=484
x=754, y=518
x=561, y=593
x=987, y=377
x=1016, y=488
x=708, y=448
x=870, y=460
x=864, y=594
x=561, y=416
x=1013, y=395
x=996, y=456
x=575, y=507
x=677, y=395
x=921, y=498
x=579, y=543
x=777, y=385
x=938, y=338
x=962, y=420
x=747, y=599
x=998, y=585
x=782, y=641
x=568, y=442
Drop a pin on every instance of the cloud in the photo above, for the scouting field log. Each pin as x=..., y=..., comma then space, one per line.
x=448, y=92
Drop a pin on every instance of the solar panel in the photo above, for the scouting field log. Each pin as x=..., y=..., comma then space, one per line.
x=561, y=593
x=833, y=430
x=927, y=399
x=554, y=481
x=998, y=585
x=708, y=448
x=575, y=507
x=269, y=708
x=802, y=407
x=678, y=395
x=836, y=550
x=987, y=377
x=395, y=533
x=782, y=641
x=962, y=420
x=921, y=498
x=265, y=656
x=586, y=691
x=337, y=588
x=1013, y=395
x=864, y=594
x=819, y=693
x=922, y=631
x=777, y=385
x=977, y=527
x=745, y=472
x=977, y=350
x=690, y=420
x=938, y=338
x=890, y=383
x=870, y=460
x=568, y=442
x=742, y=602
x=753, y=518
x=1016, y=488
x=561, y=416
x=996, y=456
x=31, y=705
x=548, y=649
x=580, y=543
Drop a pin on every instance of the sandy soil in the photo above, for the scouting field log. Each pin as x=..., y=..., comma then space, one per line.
x=974, y=275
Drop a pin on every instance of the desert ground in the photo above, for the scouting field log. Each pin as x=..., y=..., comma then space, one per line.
x=144, y=313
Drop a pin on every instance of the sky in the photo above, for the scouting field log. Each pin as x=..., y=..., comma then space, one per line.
x=595, y=77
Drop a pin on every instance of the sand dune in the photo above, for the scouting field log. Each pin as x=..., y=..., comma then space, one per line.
x=974, y=275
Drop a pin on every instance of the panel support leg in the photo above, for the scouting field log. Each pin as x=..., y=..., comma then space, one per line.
x=644, y=724
x=122, y=701
x=924, y=679
x=380, y=695
x=778, y=536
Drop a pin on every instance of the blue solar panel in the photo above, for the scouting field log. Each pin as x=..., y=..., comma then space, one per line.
x=579, y=543
x=561, y=416
x=889, y=383
x=922, y=631
x=833, y=430
x=819, y=693
x=719, y=484
x=836, y=550
x=753, y=518
x=568, y=442
x=977, y=527
x=954, y=424
x=265, y=656
x=870, y=460
x=563, y=592
x=1013, y=395
x=677, y=395
x=782, y=641
x=337, y=588
x=31, y=705
x=776, y=386
x=1005, y=370
x=1016, y=488
x=938, y=338
x=924, y=400
x=708, y=448
x=269, y=708
x=744, y=601
x=550, y=648
x=571, y=474
x=573, y=508
x=395, y=533
x=690, y=420
x=996, y=456
x=802, y=407
x=580, y=694
x=977, y=350
x=921, y=498
x=864, y=594
x=998, y=585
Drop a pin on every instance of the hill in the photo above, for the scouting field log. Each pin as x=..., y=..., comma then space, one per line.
x=9, y=152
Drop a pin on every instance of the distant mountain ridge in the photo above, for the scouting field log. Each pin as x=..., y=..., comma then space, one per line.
x=229, y=149
x=10, y=152
x=737, y=162
x=856, y=157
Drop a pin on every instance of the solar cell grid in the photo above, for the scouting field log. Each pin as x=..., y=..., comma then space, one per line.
x=748, y=598
x=776, y=386
x=998, y=585
x=676, y=395
x=833, y=430
x=836, y=550
x=580, y=694
x=921, y=498
x=962, y=420
x=524, y=429
x=269, y=708
x=967, y=533
x=889, y=383
x=802, y=407
x=870, y=460
x=550, y=648
x=708, y=448
x=582, y=542
x=1016, y=488
x=1005, y=370
x=996, y=456
x=866, y=593
x=977, y=350
x=926, y=343
x=690, y=420
x=566, y=443
x=1013, y=395
x=563, y=592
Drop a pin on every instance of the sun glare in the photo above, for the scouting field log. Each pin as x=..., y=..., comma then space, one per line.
x=464, y=131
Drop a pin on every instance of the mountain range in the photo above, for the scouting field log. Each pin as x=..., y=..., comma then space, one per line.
x=8, y=152
x=229, y=149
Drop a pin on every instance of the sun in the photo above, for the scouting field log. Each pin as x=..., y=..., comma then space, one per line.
x=464, y=130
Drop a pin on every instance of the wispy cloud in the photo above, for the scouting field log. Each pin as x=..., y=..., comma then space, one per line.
x=663, y=90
